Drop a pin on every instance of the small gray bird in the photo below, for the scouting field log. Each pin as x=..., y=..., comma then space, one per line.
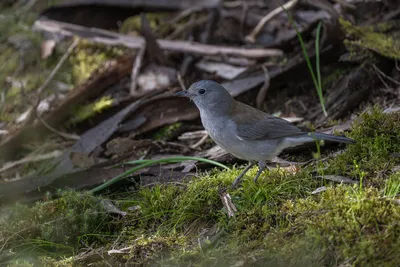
x=246, y=132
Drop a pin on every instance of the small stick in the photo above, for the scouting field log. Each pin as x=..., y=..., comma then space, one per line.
x=384, y=75
x=345, y=4
x=34, y=158
x=181, y=83
x=251, y=38
x=58, y=66
x=227, y=202
x=63, y=135
x=32, y=112
x=200, y=142
x=263, y=90
x=136, y=68
x=397, y=66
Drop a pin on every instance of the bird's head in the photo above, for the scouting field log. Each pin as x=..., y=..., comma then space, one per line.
x=209, y=95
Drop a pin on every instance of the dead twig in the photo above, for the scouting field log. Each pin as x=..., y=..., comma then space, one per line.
x=28, y=159
x=384, y=75
x=346, y=4
x=181, y=83
x=58, y=66
x=338, y=179
x=262, y=93
x=397, y=65
x=51, y=129
x=200, y=142
x=96, y=252
x=40, y=90
x=137, y=64
x=251, y=38
x=179, y=30
x=111, y=38
x=192, y=135
x=236, y=4
x=227, y=202
x=186, y=13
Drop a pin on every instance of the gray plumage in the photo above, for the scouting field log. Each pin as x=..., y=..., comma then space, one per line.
x=246, y=132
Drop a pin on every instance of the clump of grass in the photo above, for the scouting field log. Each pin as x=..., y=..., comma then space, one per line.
x=392, y=185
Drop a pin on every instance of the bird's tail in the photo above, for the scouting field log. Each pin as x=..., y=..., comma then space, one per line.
x=334, y=138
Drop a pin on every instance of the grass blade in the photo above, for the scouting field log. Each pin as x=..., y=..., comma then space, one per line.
x=318, y=70
x=145, y=163
x=317, y=82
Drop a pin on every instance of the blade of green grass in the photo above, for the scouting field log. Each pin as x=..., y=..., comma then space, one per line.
x=317, y=66
x=144, y=163
x=317, y=81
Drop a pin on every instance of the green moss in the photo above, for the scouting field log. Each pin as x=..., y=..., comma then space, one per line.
x=55, y=226
x=166, y=131
x=86, y=111
x=134, y=24
x=333, y=76
x=378, y=136
x=20, y=263
x=369, y=39
x=351, y=224
x=89, y=57
x=278, y=222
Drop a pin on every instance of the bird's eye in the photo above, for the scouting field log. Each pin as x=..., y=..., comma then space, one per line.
x=202, y=91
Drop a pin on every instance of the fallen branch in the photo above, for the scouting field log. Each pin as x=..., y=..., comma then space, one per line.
x=111, y=38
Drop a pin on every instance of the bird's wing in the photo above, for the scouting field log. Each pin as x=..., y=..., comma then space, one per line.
x=253, y=124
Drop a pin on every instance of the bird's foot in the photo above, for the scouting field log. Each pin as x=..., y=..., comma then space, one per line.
x=237, y=180
x=261, y=167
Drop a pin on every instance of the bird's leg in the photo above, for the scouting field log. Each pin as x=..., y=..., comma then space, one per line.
x=261, y=168
x=237, y=180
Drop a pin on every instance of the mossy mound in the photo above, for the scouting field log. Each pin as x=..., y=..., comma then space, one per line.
x=279, y=221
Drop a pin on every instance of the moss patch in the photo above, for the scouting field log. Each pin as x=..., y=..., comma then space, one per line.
x=279, y=221
x=84, y=112
x=378, y=136
x=54, y=227
x=88, y=57
x=376, y=39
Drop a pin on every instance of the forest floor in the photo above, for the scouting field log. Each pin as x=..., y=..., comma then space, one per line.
x=83, y=101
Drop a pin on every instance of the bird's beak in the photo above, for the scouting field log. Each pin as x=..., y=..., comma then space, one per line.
x=184, y=94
